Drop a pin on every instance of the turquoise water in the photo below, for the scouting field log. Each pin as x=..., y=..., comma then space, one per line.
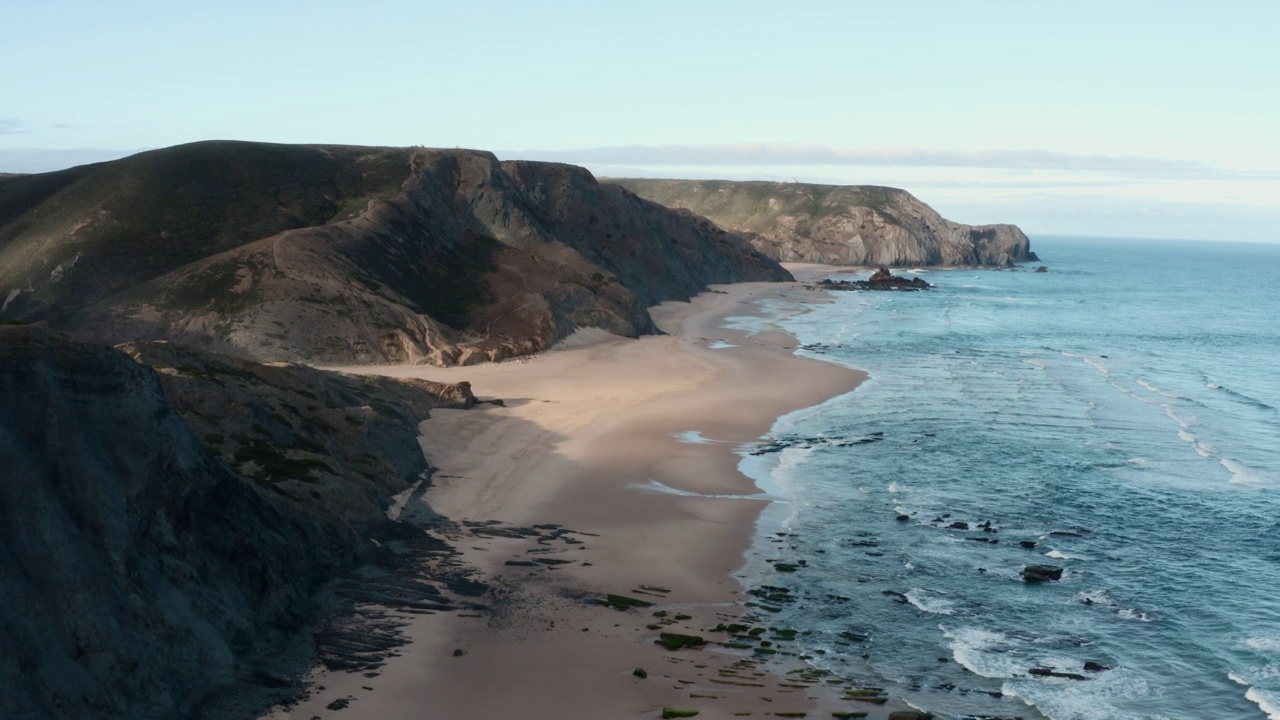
x=1122, y=412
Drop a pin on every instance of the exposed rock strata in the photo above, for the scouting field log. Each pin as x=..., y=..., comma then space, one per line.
x=342, y=254
x=839, y=225
x=330, y=444
x=139, y=573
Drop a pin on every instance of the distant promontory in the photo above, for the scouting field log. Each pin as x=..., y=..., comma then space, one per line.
x=838, y=224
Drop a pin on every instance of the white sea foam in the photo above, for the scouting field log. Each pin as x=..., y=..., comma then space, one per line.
x=1095, y=597
x=1059, y=555
x=1138, y=615
x=776, y=473
x=1237, y=679
x=694, y=437
x=930, y=601
x=1095, y=364
x=1163, y=393
x=658, y=487
x=985, y=653
x=1243, y=475
x=720, y=345
x=1268, y=702
x=1263, y=644
x=1213, y=386
x=1101, y=697
x=1102, y=598
x=1203, y=449
x=1183, y=422
x=894, y=487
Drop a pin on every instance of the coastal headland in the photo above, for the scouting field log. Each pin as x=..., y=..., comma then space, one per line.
x=216, y=281
x=592, y=449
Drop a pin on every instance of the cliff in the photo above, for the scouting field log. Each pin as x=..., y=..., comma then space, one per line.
x=177, y=510
x=340, y=254
x=838, y=225
x=334, y=447
x=144, y=568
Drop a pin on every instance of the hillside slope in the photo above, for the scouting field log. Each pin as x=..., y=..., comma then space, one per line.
x=348, y=254
x=136, y=568
x=145, y=568
x=838, y=224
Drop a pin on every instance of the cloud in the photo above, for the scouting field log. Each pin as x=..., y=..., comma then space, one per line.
x=767, y=155
x=37, y=160
x=11, y=126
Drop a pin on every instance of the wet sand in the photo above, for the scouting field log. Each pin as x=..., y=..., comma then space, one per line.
x=590, y=440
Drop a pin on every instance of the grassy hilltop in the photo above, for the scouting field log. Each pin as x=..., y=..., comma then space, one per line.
x=838, y=224
x=347, y=254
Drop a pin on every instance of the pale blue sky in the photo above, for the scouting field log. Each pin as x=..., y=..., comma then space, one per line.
x=1140, y=118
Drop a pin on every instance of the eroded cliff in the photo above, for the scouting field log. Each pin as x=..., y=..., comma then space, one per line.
x=838, y=225
x=342, y=254
x=144, y=568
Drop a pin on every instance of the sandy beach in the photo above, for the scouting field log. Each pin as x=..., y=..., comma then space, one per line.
x=595, y=437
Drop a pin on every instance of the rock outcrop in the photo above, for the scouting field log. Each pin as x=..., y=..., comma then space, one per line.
x=334, y=447
x=1041, y=573
x=341, y=254
x=145, y=567
x=837, y=224
x=881, y=279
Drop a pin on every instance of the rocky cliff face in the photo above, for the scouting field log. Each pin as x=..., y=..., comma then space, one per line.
x=136, y=567
x=839, y=225
x=334, y=447
x=140, y=573
x=342, y=254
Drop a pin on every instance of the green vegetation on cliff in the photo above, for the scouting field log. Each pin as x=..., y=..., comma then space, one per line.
x=837, y=224
x=348, y=254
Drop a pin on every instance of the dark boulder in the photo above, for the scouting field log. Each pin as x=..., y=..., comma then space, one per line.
x=897, y=596
x=881, y=279
x=1041, y=573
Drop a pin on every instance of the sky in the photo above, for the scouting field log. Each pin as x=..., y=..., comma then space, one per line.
x=1141, y=119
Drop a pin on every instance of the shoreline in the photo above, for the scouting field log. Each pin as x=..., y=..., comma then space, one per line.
x=586, y=432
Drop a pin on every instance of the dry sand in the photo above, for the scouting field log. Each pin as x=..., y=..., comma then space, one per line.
x=586, y=431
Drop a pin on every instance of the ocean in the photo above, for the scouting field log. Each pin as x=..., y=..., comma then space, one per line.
x=1117, y=417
